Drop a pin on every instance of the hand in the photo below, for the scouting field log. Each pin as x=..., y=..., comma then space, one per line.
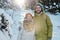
x=49, y=38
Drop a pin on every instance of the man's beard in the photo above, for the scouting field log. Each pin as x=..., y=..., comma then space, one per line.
x=38, y=12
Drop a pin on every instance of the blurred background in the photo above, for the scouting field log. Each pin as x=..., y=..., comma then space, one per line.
x=51, y=6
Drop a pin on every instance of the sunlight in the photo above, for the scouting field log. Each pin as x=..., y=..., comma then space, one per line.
x=19, y=2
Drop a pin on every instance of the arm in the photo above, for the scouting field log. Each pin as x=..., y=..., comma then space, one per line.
x=20, y=34
x=49, y=25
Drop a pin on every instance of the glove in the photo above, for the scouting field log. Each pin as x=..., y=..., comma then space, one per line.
x=49, y=38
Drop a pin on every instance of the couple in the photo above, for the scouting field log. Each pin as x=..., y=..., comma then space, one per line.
x=39, y=25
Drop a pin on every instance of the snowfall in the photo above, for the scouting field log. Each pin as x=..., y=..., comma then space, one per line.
x=16, y=17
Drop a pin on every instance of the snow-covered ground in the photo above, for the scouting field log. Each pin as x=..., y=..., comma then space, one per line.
x=56, y=25
x=18, y=16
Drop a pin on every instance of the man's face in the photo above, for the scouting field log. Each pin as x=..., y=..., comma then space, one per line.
x=38, y=9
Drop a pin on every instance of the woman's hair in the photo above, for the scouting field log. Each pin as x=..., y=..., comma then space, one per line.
x=27, y=15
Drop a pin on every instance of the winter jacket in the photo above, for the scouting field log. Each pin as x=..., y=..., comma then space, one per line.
x=43, y=26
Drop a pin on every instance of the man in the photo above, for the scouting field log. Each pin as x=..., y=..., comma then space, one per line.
x=43, y=24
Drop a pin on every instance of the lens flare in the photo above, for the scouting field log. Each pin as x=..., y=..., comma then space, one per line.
x=19, y=3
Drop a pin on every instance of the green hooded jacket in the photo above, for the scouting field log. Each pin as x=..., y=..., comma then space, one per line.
x=43, y=26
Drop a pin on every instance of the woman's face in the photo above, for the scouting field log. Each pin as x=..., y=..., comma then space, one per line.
x=29, y=17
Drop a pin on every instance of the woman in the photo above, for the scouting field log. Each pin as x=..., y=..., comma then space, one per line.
x=28, y=28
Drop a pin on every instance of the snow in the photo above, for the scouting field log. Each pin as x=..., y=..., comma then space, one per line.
x=56, y=26
x=16, y=17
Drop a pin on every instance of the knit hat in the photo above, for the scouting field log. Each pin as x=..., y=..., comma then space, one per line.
x=39, y=4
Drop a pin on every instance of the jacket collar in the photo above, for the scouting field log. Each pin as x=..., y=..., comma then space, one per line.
x=35, y=13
